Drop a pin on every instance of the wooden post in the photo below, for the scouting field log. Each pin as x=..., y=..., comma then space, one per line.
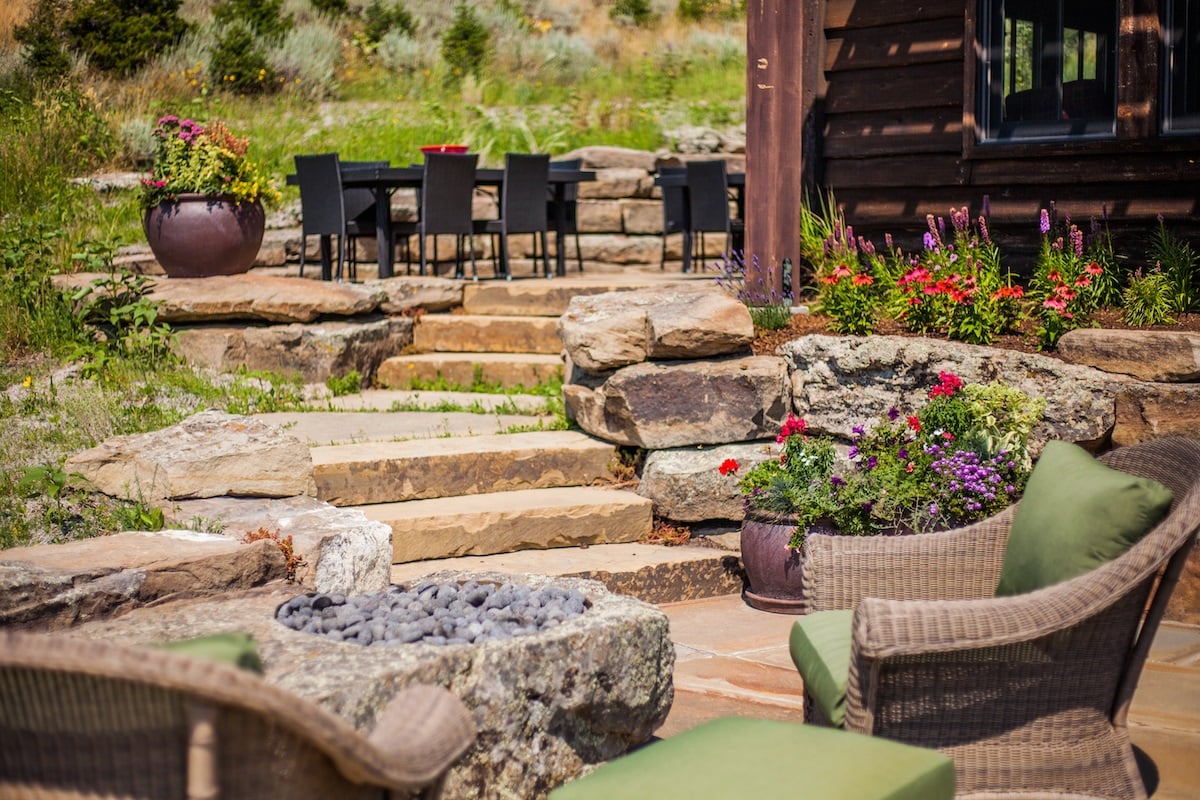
x=782, y=43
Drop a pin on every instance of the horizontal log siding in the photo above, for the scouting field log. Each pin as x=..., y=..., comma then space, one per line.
x=892, y=144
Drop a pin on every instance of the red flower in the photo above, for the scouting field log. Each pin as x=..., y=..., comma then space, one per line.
x=950, y=383
x=914, y=422
x=727, y=466
x=791, y=426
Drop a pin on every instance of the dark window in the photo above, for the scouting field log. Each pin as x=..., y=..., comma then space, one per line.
x=1048, y=69
x=1181, y=38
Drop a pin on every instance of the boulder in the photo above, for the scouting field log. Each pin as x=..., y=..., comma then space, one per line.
x=50, y=587
x=411, y=292
x=314, y=351
x=616, y=184
x=1147, y=411
x=207, y=455
x=686, y=484
x=547, y=706
x=842, y=381
x=661, y=405
x=259, y=297
x=611, y=330
x=1168, y=356
x=605, y=157
x=340, y=549
x=621, y=250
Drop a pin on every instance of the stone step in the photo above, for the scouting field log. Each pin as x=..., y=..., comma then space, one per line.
x=437, y=401
x=473, y=333
x=390, y=472
x=326, y=428
x=652, y=573
x=504, y=522
x=508, y=370
x=550, y=298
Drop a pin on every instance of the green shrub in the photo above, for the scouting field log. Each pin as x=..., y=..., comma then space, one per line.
x=332, y=8
x=119, y=36
x=1180, y=264
x=381, y=18
x=466, y=43
x=265, y=17
x=306, y=62
x=46, y=53
x=696, y=10
x=1148, y=299
x=635, y=12
x=238, y=62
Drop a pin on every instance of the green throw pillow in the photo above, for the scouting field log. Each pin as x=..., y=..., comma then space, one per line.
x=235, y=648
x=1077, y=514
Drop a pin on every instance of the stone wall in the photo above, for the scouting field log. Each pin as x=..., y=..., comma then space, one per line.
x=707, y=399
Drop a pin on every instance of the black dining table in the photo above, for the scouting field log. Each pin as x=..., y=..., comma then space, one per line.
x=382, y=181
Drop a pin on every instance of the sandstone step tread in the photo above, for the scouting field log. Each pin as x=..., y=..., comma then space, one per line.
x=652, y=573
x=511, y=371
x=382, y=472
x=548, y=298
x=486, y=333
x=430, y=401
x=501, y=522
x=325, y=428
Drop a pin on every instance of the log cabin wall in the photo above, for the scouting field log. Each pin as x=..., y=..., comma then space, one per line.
x=898, y=138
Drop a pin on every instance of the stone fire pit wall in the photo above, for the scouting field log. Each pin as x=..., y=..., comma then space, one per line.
x=546, y=705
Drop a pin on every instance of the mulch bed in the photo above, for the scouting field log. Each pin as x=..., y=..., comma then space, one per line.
x=1025, y=341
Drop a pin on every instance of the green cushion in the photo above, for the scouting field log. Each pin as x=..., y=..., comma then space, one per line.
x=1077, y=514
x=820, y=645
x=765, y=759
x=236, y=648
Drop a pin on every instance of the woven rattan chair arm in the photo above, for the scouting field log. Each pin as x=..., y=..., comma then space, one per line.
x=426, y=728
x=357, y=758
x=838, y=571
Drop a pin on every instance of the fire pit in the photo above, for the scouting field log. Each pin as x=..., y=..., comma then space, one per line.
x=546, y=703
x=433, y=613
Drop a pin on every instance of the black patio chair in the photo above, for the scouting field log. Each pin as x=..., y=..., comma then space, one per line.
x=360, y=213
x=445, y=201
x=708, y=205
x=675, y=212
x=323, y=210
x=569, y=206
x=522, y=208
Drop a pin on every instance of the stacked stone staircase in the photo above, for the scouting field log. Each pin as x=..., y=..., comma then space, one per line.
x=530, y=501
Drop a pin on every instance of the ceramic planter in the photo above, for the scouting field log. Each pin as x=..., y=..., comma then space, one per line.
x=197, y=235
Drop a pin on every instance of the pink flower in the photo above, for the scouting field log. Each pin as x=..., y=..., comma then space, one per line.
x=1094, y=268
x=1054, y=303
x=791, y=426
x=863, y=280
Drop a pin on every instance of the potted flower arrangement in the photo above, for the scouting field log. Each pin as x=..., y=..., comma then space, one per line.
x=962, y=457
x=203, y=200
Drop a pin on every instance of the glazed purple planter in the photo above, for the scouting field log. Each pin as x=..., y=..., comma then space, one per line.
x=198, y=235
x=772, y=568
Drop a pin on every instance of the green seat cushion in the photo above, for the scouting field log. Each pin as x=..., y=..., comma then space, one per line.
x=235, y=648
x=820, y=645
x=1077, y=514
x=734, y=757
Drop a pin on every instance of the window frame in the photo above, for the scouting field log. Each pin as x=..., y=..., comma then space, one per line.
x=993, y=61
x=1170, y=74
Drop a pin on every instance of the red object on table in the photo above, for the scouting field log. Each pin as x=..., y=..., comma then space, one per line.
x=444, y=148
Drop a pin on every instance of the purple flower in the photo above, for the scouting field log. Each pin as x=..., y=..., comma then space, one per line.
x=872, y=461
x=929, y=242
x=853, y=452
x=933, y=508
x=902, y=453
x=1044, y=222
x=858, y=430
x=836, y=481
x=893, y=413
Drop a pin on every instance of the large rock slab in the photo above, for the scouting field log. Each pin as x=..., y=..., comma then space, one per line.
x=248, y=297
x=504, y=522
x=207, y=455
x=842, y=381
x=469, y=333
x=606, y=157
x=405, y=293
x=658, y=405
x=1168, y=356
x=315, y=351
x=57, y=586
x=419, y=469
x=1151, y=410
x=340, y=549
x=615, y=329
x=686, y=484
x=546, y=706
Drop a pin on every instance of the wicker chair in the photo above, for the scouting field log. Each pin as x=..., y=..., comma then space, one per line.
x=1028, y=693
x=83, y=718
